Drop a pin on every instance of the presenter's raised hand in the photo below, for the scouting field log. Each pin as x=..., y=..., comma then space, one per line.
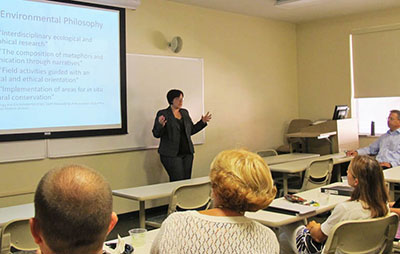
x=162, y=120
x=206, y=118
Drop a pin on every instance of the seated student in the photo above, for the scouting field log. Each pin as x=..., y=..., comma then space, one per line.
x=73, y=211
x=387, y=147
x=241, y=181
x=368, y=200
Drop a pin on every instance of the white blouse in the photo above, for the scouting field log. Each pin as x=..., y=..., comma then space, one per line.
x=349, y=210
x=192, y=232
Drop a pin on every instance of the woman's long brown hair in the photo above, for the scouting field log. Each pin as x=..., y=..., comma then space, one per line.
x=371, y=185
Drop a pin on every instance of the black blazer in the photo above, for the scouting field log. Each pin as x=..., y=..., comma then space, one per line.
x=170, y=133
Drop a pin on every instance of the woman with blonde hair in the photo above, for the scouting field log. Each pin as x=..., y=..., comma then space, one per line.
x=368, y=200
x=241, y=181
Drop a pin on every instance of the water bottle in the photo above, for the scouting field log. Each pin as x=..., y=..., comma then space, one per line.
x=372, y=128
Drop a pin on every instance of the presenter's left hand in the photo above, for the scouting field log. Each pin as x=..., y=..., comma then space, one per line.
x=206, y=118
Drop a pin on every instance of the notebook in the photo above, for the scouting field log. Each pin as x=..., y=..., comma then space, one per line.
x=339, y=190
x=286, y=207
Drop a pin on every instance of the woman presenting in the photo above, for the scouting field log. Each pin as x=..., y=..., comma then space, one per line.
x=175, y=127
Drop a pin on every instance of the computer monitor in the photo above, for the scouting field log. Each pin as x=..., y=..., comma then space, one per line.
x=340, y=112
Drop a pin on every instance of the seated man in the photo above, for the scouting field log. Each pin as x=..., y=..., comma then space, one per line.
x=73, y=211
x=387, y=147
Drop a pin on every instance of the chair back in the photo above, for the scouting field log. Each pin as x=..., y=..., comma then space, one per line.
x=318, y=173
x=190, y=196
x=17, y=234
x=363, y=236
x=297, y=124
x=267, y=153
x=297, y=144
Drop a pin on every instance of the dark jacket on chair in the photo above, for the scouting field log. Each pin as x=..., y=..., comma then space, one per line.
x=170, y=133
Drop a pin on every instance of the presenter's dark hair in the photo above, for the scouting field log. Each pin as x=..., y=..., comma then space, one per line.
x=172, y=94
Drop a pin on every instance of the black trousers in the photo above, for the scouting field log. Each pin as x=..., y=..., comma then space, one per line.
x=179, y=167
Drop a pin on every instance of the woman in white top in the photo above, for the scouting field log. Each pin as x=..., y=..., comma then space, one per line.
x=368, y=200
x=241, y=181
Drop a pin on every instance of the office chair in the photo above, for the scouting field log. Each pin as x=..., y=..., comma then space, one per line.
x=267, y=152
x=188, y=197
x=294, y=144
x=17, y=234
x=318, y=173
x=363, y=236
x=277, y=176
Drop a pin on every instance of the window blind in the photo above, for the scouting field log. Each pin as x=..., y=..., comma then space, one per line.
x=376, y=61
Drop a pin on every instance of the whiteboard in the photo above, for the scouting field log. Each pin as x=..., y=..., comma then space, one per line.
x=149, y=78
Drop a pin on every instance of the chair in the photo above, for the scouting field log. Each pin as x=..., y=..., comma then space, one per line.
x=190, y=197
x=278, y=178
x=294, y=144
x=187, y=197
x=267, y=153
x=318, y=173
x=17, y=234
x=363, y=236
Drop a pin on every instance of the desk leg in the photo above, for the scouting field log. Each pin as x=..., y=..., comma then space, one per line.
x=338, y=172
x=306, y=145
x=285, y=184
x=330, y=144
x=142, y=215
x=391, y=192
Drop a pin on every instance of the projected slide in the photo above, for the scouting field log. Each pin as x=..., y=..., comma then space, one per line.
x=59, y=67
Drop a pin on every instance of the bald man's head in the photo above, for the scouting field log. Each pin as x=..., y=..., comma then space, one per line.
x=73, y=207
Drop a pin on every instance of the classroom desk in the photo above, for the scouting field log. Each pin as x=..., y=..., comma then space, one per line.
x=301, y=165
x=282, y=158
x=154, y=191
x=318, y=135
x=392, y=176
x=24, y=211
x=145, y=249
x=274, y=219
